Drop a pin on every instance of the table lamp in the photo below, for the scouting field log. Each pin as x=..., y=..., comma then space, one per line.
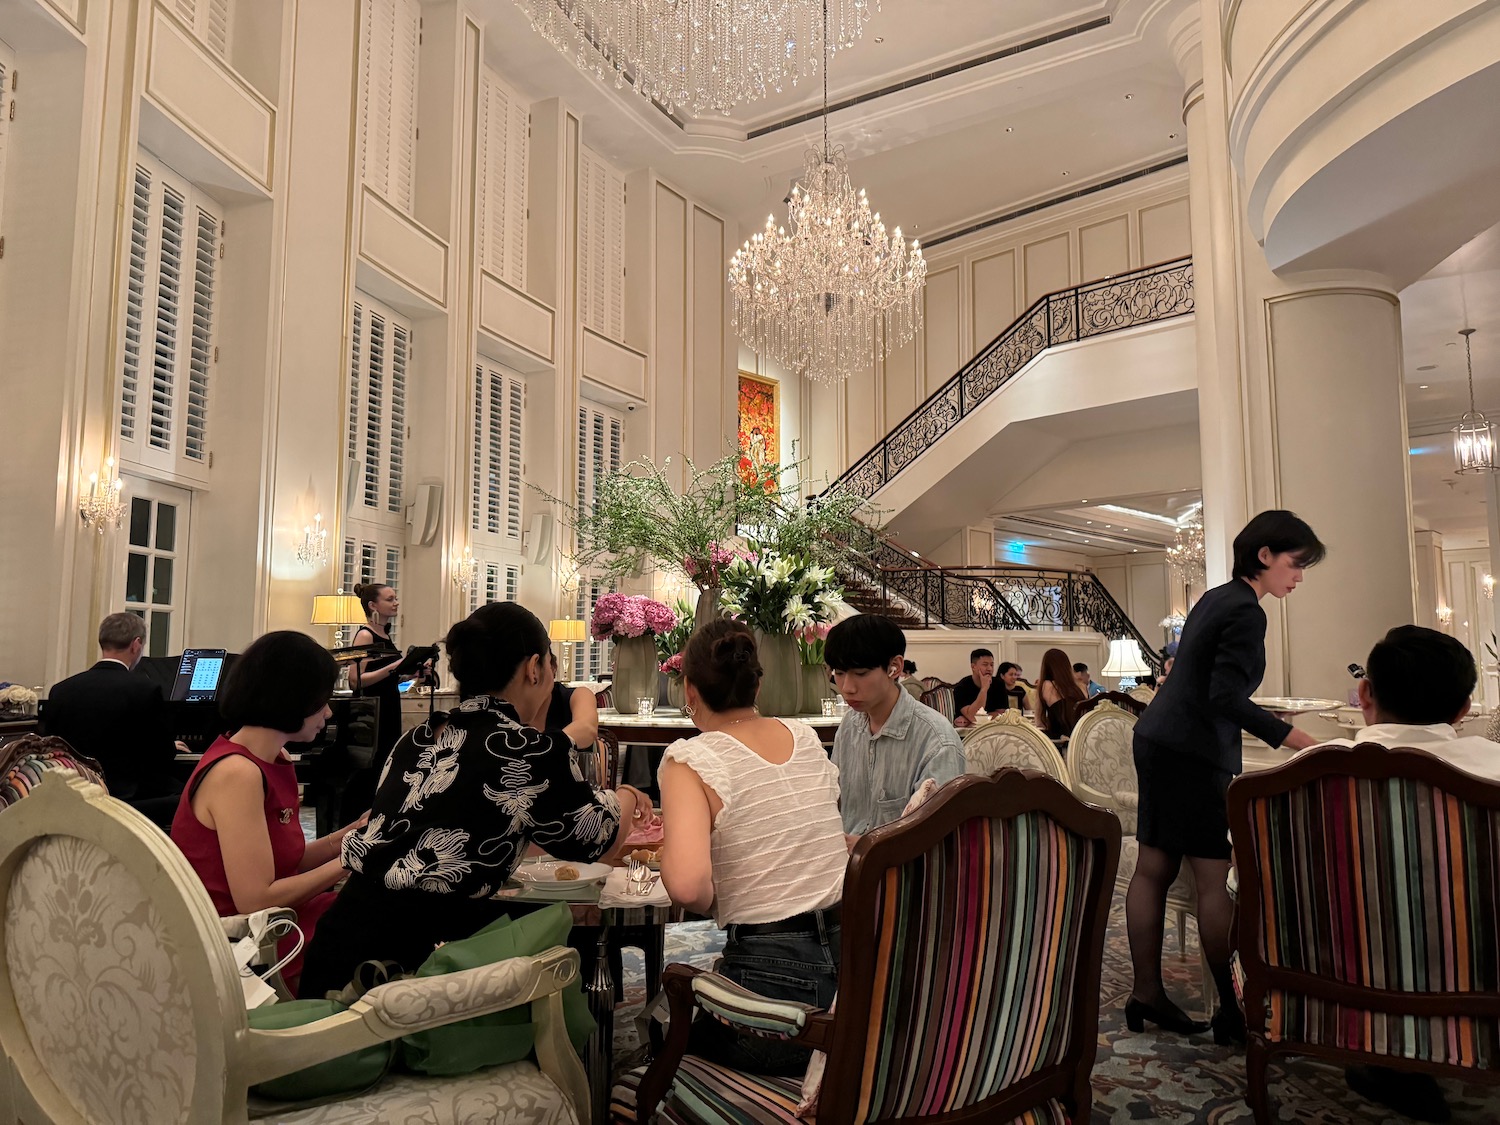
x=570, y=632
x=338, y=610
x=1125, y=660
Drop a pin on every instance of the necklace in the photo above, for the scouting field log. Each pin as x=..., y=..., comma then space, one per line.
x=737, y=722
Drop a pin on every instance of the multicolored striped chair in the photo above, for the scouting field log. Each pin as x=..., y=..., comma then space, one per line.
x=1369, y=913
x=940, y=699
x=973, y=933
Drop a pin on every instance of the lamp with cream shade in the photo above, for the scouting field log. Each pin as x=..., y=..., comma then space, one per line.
x=569, y=632
x=1125, y=660
x=338, y=610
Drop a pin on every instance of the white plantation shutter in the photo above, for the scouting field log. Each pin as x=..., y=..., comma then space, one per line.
x=600, y=448
x=601, y=246
x=504, y=152
x=390, y=33
x=167, y=354
x=375, y=431
x=371, y=553
x=591, y=658
x=209, y=21
x=498, y=464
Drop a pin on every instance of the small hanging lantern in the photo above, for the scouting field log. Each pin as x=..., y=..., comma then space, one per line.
x=1474, y=436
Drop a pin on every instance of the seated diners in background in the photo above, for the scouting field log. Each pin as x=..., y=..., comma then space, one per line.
x=460, y=800
x=888, y=743
x=755, y=839
x=1085, y=681
x=1008, y=692
x=971, y=694
x=909, y=679
x=575, y=708
x=237, y=821
x=1059, y=696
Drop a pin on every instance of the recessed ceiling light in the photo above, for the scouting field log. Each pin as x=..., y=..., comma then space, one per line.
x=1134, y=549
x=880, y=38
x=1171, y=136
x=1008, y=129
x=1129, y=96
x=1421, y=386
x=1085, y=501
x=1065, y=173
x=1088, y=522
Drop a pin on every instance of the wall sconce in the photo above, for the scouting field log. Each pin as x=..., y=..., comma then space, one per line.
x=1488, y=581
x=1445, y=615
x=465, y=570
x=102, y=506
x=313, y=550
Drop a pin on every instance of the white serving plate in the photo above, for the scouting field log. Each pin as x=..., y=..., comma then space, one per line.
x=540, y=874
x=1293, y=705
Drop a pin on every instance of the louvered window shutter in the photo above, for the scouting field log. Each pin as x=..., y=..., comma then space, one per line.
x=494, y=452
x=356, y=369
x=407, y=33
x=390, y=35
x=375, y=431
x=497, y=467
x=206, y=259
x=601, y=246
x=396, y=464
x=477, y=461
x=504, y=152
x=139, y=278
x=374, y=414
x=209, y=21
x=587, y=254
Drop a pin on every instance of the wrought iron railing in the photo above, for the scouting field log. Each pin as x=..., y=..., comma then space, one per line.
x=1143, y=296
x=994, y=597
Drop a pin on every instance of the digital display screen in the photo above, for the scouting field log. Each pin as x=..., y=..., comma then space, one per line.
x=198, y=675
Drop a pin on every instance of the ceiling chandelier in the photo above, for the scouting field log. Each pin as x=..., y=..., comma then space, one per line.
x=698, y=55
x=1188, y=555
x=1474, y=436
x=810, y=299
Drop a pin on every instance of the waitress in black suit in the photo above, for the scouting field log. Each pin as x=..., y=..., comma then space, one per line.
x=1187, y=750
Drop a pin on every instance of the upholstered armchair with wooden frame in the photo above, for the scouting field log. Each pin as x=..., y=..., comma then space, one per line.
x=1009, y=739
x=119, y=1000
x=1369, y=913
x=956, y=1003
x=940, y=699
x=1118, y=698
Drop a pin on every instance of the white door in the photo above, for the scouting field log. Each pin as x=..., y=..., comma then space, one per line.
x=153, y=579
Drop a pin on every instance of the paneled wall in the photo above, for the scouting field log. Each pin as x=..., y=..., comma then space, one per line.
x=1146, y=589
x=977, y=286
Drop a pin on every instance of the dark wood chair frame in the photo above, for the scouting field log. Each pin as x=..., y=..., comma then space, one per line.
x=1371, y=761
x=1006, y=794
x=1118, y=698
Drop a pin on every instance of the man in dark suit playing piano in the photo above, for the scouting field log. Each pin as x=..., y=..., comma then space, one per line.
x=120, y=720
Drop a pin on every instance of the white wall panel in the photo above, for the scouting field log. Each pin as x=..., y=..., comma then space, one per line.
x=942, y=347
x=1104, y=248
x=392, y=240
x=614, y=365
x=994, y=296
x=513, y=318
x=1047, y=265
x=1165, y=233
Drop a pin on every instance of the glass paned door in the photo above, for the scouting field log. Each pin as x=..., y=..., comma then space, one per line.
x=156, y=561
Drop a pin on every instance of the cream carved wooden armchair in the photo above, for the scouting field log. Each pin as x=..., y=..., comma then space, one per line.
x=1009, y=740
x=119, y=1001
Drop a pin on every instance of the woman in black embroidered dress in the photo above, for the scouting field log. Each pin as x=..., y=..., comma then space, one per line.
x=459, y=802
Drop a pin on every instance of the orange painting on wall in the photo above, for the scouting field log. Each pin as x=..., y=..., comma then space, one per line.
x=760, y=430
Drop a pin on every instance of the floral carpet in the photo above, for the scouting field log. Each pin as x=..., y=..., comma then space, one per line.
x=1146, y=1077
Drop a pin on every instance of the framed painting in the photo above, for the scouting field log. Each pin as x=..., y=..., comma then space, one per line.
x=760, y=429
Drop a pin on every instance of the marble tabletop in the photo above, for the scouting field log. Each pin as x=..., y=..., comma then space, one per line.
x=671, y=717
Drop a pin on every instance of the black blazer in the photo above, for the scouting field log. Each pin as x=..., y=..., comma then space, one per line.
x=120, y=720
x=1205, y=703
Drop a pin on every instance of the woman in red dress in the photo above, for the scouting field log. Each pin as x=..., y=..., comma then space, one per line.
x=238, y=821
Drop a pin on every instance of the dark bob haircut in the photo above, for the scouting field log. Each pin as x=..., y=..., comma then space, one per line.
x=486, y=648
x=1420, y=676
x=721, y=661
x=278, y=682
x=864, y=641
x=1281, y=532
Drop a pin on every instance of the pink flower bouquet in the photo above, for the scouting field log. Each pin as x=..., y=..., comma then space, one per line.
x=629, y=615
x=672, y=665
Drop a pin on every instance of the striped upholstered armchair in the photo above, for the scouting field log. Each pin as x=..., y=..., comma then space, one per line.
x=957, y=1002
x=1369, y=913
x=940, y=699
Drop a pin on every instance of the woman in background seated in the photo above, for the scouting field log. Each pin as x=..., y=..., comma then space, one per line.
x=461, y=799
x=755, y=837
x=909, y=679
x=569, y=707
x=238, y=819
x=1060, y=696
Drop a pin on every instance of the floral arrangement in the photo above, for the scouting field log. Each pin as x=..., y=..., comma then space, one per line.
x=671, y=642
x=778, y=593
x=812, y=640
x=672, y=665
x=707, y=572
x=629, y=615
x=17, y=698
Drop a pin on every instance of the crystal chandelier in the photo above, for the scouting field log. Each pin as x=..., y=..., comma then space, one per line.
x=1188, y=555
x=810, y=299
x=1474, y=436
x=313, y=550
x=102, y=506
x=698, y=55
x=465, y=570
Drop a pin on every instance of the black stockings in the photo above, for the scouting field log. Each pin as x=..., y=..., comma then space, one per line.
x=1145, y=922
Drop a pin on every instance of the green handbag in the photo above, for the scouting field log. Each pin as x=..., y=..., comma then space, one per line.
x=347, y=1074
x=500, y=1037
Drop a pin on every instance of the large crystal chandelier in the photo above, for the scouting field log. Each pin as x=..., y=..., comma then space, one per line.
x=1188, y=555
x=810, y=299
x=698, y=55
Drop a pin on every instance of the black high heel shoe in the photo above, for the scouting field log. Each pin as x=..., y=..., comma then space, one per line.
x=1138, y=1012
x=1229, y=1027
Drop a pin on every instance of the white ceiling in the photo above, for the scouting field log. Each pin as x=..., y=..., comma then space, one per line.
x=932, y=156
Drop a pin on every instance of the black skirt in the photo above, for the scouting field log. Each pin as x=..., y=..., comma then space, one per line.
x=1183, y=810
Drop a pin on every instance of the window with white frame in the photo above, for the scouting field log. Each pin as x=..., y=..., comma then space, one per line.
x=7, y=114
x=154, y=580
x=601, y=246
x=376, y=430
x=591, y=658
x=210, y=21
x=497, y=462
x=600, y=442
x=504, y=146
x=390, y=33
x=168, y=357
x=494, y=582
x=370, y=554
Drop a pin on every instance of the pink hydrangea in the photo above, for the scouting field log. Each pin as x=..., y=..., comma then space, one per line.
x=629, y=615
x=672, y=665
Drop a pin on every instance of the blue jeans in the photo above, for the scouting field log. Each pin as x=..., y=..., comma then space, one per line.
x=783, y=966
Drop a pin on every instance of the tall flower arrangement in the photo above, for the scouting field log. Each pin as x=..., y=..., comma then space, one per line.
x=630, y=615
x=780, y=594
x=812, y=641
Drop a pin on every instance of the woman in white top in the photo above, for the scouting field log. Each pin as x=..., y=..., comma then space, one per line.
x=755, y=838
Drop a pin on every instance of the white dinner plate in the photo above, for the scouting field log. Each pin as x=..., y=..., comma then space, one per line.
x=541, y=874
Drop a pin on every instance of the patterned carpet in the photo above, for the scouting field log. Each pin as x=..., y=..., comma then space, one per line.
x=1138, y=1077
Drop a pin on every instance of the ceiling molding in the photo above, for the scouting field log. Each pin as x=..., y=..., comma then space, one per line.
x=1055, y=200
x=931, y=76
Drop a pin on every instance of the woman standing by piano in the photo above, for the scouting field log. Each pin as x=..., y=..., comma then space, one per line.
x=376, y=677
